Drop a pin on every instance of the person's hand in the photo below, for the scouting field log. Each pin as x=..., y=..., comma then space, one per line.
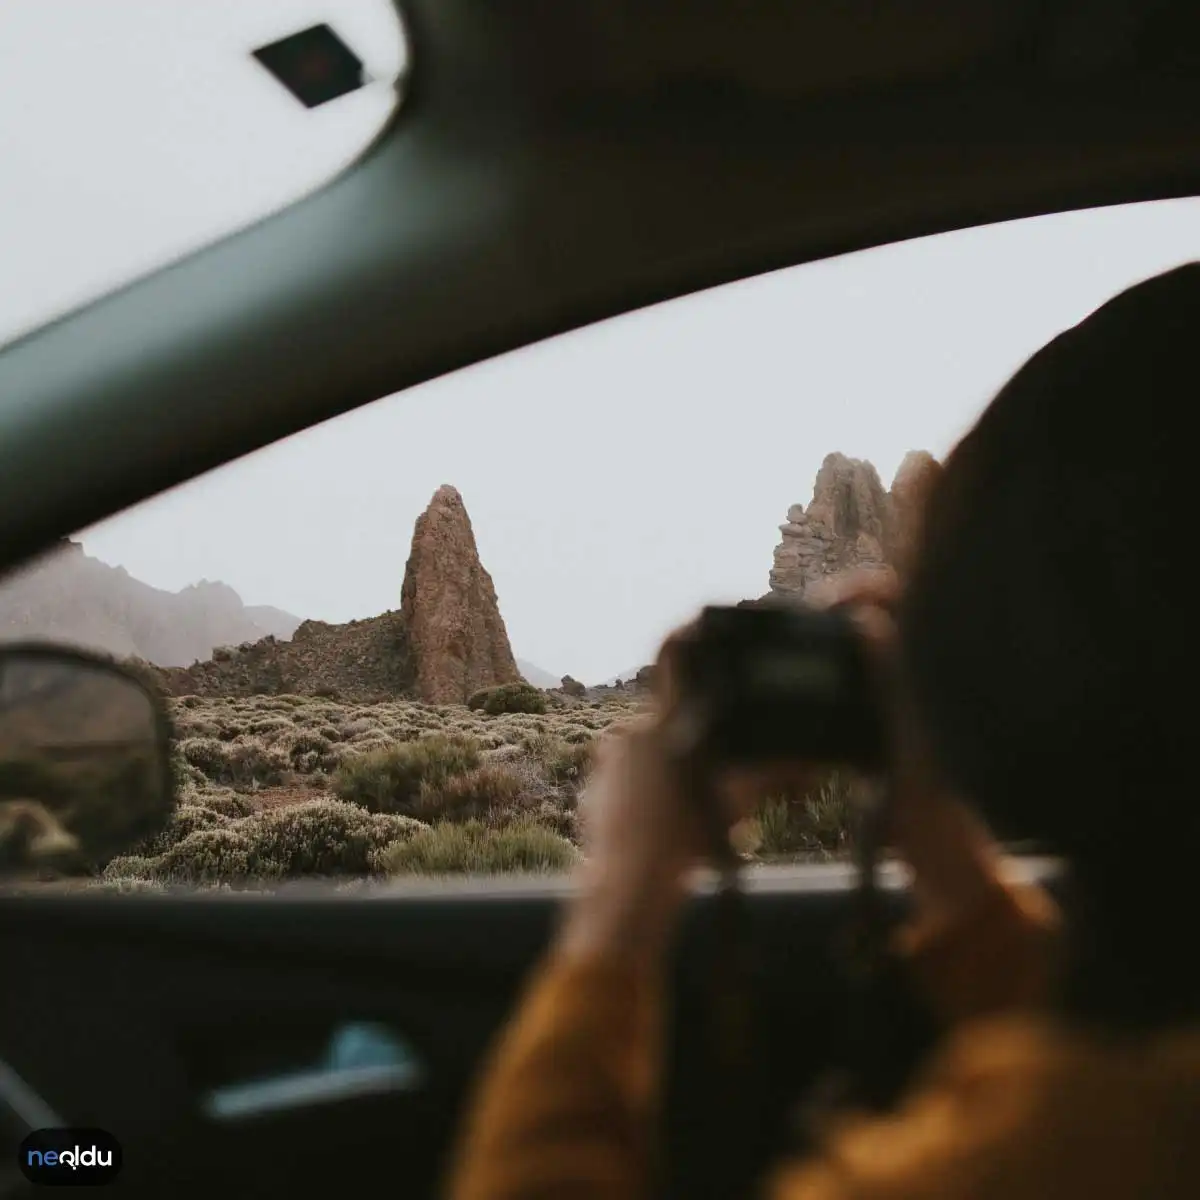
x=643, y=835
x=640, y=837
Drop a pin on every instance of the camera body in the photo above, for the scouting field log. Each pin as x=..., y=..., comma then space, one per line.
x=774, y=684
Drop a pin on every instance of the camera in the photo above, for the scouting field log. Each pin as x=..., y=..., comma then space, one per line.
x=781, y=683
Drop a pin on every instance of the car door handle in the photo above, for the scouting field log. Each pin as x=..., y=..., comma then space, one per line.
x=304, y=1089
x=362, y=1060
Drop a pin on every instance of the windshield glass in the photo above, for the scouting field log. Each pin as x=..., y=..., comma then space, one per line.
x=392, y=642
x=135, y=132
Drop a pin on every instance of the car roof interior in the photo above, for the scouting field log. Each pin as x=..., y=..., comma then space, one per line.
x=555, y=164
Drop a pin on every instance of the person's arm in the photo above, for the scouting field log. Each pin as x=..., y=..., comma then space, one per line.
x=567, y=1107
x=567, y=1103
x=978, y=943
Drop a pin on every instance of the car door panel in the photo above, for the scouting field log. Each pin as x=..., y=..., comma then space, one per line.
x=197, y=1028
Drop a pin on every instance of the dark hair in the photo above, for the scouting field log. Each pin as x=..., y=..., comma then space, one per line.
x=1048, y=640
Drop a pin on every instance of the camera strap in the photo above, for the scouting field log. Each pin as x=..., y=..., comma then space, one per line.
x=729, y=1102
x=867, y=958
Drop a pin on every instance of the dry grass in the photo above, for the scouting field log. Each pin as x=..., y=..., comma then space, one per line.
x=285, y=787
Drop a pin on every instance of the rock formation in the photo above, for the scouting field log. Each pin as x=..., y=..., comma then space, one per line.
x=573, y=687
x=852, y=523
x=635, y=687
x=448, y=603
x=360, y=662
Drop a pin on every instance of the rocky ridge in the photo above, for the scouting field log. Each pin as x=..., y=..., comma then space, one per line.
x=362, y=662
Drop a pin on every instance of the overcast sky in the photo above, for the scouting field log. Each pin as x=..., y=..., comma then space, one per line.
x=617, y=477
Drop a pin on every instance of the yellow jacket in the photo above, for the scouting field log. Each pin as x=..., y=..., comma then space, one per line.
x=1016, y=1105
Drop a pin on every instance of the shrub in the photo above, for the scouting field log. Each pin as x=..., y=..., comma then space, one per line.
x=189, y=727
x=207, y=755
x=124, y=884
x=127, y=866
x=307, y=750
x=184, y=775
x=252, y=762
x=321, y=837
x=389, y=779
x=829, y=814
x=472, y=848
x=223, y=801
x=269, y=724
x=577, y=735
x=568, y=762
x=504, y=752
x=238, y=762
x=818, y=822
x=559, y=817
x=508, y=698
x=491, y=790
x=211, y=855
x=775, y=831
x=185, y=820
x=316, y=838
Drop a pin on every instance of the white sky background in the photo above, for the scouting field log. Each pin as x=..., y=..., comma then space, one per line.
x=617, y=477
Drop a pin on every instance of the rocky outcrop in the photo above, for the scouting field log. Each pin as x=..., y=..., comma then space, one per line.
x=572, y=686
x=852, y=523
x=455, y=632
x=68, y=596
x=361, y=662
x=635, y=688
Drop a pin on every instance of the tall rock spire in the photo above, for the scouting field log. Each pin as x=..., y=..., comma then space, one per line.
x=456, y=635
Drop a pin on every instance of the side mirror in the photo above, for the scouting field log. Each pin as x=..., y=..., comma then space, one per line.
x=85, y=770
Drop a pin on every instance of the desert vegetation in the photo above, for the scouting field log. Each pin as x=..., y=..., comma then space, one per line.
x=275, y=788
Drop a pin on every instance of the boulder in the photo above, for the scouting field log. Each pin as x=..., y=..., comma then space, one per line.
x=573, y=687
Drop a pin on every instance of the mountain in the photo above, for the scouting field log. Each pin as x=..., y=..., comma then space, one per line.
x=275, y=621
x=68, y=596
x=536, y=676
